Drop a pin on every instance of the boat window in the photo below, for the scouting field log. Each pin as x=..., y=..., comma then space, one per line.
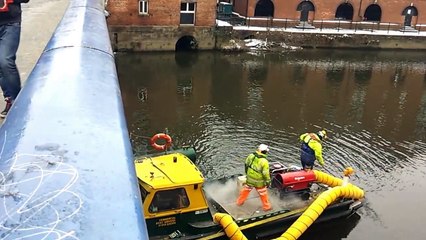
x=169, y=200
x=143, y=193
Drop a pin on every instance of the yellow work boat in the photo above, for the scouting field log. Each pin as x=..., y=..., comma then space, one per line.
x=179, y=203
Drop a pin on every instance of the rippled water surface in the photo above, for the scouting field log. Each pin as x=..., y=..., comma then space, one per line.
x=373, y=105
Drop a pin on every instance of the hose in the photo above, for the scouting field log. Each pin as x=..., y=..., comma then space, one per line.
x=231, y=228
x=317, y=207
x=320, y=204
x=311, y=213
x=327, y=179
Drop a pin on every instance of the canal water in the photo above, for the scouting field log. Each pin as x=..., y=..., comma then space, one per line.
x=372, y=103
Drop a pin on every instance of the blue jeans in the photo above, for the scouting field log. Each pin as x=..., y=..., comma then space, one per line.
x=10, y=81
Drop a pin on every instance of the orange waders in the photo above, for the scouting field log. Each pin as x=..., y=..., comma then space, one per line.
x=263, y=194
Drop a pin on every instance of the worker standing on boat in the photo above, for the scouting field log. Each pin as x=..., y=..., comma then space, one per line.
x=258, y=177
x=311, y=149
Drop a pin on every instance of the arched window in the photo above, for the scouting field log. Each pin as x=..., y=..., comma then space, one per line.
x=264, y=8
x=344, y=11
x=373, y=13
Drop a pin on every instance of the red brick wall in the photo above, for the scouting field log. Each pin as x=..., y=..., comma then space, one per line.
x=206, y=13
x=240, y=7
x=326, y=9
x=160, y=13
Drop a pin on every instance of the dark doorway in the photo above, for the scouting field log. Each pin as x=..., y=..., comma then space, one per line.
x=409, y=13
x=344, y=11
x=304, y=8
x=186, y=43
x=264, y=8
x=373, y=13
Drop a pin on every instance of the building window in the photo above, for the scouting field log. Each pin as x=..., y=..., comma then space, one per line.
x=143, y=7
x=187, y=13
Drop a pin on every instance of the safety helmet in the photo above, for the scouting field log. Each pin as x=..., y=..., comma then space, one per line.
x=263, y=148
x=322, y=134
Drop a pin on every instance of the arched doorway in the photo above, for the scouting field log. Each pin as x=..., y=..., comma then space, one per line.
x=344, y=11
x=409, y=13
x=264, y=8
x=373, y=13
x=304, y=8
x=186, y=43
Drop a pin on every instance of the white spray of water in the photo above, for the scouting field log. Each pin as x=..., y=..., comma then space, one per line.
x=227, y=193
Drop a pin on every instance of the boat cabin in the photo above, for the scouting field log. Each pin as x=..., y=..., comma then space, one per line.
x=171, y=189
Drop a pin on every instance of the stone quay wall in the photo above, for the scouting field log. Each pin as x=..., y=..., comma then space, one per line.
x=142, y=38
x=154, y=38
x=226, y=36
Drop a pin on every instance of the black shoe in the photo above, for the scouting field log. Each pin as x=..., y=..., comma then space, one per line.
x=9, y=102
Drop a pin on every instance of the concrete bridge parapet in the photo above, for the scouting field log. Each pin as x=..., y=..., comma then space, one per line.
x=66, y=163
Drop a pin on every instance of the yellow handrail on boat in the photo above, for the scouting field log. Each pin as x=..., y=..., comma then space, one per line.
x=340, y=188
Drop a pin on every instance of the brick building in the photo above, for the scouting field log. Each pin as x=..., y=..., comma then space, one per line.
x=169, y=25
x=143, y=25
x=404, y=12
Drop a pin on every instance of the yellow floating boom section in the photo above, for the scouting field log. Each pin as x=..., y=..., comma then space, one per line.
x=231, y=228
x=327, y=179
x=318, y=206
x=339, y=189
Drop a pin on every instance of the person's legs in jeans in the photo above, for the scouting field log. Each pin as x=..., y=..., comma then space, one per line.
x=10, y=80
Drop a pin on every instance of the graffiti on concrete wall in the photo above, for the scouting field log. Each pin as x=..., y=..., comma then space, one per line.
x=34, y=207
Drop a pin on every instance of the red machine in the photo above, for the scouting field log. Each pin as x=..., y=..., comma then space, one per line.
x=291, y=180
x=295, y=181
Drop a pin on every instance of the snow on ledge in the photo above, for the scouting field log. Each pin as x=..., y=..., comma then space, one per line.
x=334, y=31
x=223, y=23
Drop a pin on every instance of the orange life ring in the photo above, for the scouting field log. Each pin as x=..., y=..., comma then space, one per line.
x=163, y=136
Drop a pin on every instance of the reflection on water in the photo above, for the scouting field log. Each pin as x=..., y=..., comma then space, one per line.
x=332, y=230
x=372, y=103
x=335, y=230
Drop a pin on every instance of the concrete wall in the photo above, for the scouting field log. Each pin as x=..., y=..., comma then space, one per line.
x=66, y=161
x=140, y=38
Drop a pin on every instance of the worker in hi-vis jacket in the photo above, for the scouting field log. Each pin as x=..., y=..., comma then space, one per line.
x=258, y=177
x=311, y=149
